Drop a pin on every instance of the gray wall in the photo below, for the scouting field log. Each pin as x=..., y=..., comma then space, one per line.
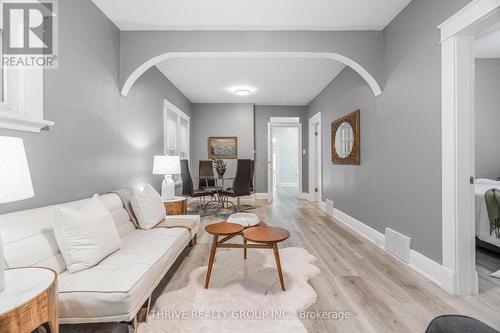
x=262, y=117
x=220, y=120
x=487, y=118
x=101, y=141
x=398, y=184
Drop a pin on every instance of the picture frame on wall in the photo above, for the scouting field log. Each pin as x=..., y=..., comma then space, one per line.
x=225, y=148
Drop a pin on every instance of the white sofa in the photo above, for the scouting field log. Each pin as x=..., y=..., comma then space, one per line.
x=118, y=286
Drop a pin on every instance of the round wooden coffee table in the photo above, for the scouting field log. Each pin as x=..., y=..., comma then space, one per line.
x=264, y=236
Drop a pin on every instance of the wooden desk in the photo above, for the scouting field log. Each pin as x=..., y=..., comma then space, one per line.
x=29, y=300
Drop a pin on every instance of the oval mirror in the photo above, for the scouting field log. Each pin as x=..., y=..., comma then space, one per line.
x=344, y=140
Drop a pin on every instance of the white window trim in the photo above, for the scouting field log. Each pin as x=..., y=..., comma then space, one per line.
x=22, y=108
x=168, y=106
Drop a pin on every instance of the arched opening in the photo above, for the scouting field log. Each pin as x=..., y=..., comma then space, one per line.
x=325, y=55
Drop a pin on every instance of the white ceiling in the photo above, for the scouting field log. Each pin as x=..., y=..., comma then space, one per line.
x=488, y=43
x=251, y=14
x=275, y=81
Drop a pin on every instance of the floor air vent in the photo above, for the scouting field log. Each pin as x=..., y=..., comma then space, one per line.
x=397, y=244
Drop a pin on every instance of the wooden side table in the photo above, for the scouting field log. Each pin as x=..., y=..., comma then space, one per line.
x=176, y=206
x=29, y=300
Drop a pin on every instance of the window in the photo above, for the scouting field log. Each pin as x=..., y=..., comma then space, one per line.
x=176, y=131
x=21, y=97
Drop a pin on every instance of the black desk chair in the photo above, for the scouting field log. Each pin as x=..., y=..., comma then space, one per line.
x=241, y=183
x=206, y=175
x=188, y=187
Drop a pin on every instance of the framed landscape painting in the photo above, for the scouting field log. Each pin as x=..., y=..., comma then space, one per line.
x=224, y=148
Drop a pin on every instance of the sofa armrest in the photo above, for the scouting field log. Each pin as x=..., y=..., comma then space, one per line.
x=191, y=222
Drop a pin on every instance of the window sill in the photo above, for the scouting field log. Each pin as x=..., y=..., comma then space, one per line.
x=15, y=122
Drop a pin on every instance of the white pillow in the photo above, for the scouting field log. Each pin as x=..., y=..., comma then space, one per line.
x=86, y=236
x=148, y=207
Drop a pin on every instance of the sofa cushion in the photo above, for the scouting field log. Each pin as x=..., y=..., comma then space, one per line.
x=87, y=235
x=148, y=207
x=121, y=283
x=191, y=222
x=29, y=237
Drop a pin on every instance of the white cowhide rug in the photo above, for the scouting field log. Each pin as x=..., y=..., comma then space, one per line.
x=243, y=296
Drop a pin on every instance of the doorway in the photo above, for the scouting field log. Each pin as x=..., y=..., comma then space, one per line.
x=458, y=37
x=284, y=157
x=487, y=160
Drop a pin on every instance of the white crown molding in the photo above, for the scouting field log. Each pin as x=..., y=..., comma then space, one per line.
x=254, y=28
x=467, y=16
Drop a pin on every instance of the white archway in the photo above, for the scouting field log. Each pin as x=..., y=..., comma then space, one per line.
x=323, y=55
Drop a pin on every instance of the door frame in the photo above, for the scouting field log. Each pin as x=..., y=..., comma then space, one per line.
x=458, y=73
x=315, y=160
x=270, y=153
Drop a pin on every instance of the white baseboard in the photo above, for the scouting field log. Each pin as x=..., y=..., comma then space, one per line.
x=261, y=196
x=322, y=206
x=304, y=195
x=288, y=185
x=435, y=272
x=364, y=230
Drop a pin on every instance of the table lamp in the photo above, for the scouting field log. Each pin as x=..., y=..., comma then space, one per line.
x=15, y=181
x=168, y=166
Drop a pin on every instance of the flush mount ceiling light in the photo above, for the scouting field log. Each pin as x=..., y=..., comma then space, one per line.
x=242, y=92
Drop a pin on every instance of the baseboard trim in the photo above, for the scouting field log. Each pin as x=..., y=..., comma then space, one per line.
x=433, y=271
x=288, y=185
x=304, y=195
x=261, y=196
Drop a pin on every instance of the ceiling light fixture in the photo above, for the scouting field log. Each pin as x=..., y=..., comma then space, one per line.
x=242, y=92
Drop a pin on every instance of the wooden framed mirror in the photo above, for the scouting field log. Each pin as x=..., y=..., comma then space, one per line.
x=346, y=140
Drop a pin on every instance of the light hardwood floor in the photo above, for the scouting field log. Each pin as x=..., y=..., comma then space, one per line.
x=383, y=294
x=487, y=262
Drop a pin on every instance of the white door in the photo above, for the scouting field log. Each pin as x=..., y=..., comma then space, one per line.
x=269, y=163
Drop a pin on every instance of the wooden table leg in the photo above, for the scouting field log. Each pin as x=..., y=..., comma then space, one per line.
x=278, y=265
x=211, y=260
x=245, y=249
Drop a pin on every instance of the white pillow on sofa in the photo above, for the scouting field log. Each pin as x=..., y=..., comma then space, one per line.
x=86, y=236
x=148, y=207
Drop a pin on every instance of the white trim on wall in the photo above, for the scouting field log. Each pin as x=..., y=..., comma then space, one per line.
x=432, y=270
x=288, y=185
x=261, y=196
x=457, y=123
x=315, y=160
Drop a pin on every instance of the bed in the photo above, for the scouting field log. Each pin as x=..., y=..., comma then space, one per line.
x=481, y=186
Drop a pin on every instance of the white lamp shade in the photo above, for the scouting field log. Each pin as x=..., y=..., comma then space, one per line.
x=15, y=178
x=166, y=165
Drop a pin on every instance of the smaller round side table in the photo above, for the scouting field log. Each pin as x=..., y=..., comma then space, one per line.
x=29, y=300
x=176, y=206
